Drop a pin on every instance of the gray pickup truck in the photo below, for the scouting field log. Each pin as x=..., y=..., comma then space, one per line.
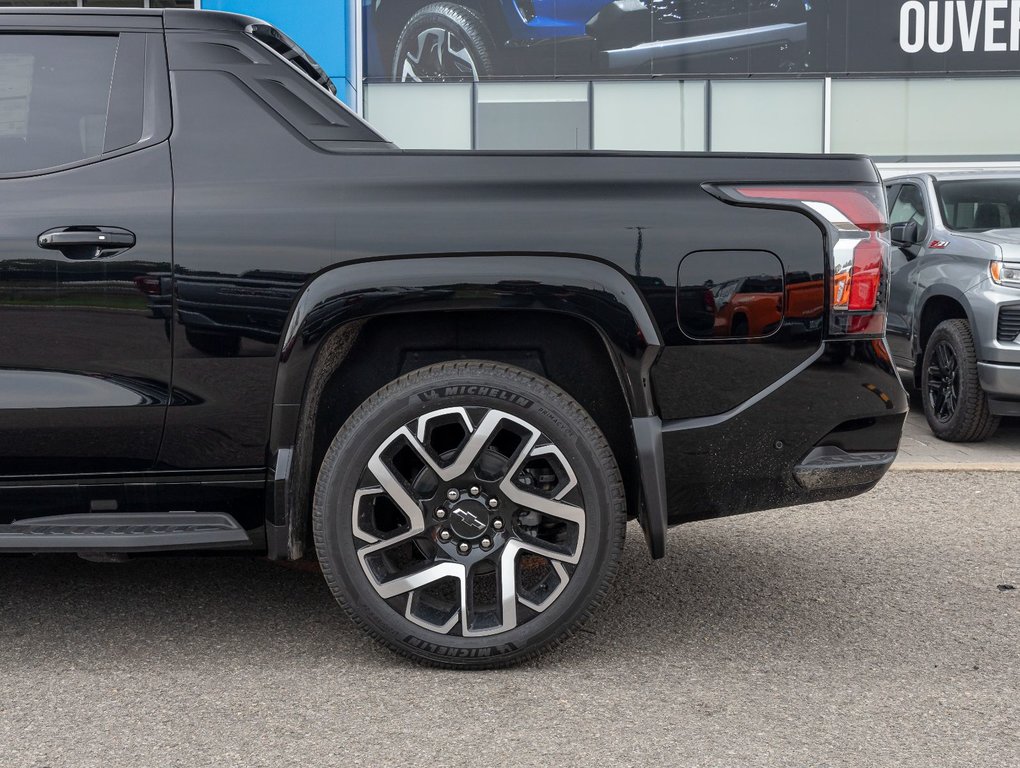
x=954, y=308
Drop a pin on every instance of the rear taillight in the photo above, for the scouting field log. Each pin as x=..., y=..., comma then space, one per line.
x=709, y=300
x=857, y=226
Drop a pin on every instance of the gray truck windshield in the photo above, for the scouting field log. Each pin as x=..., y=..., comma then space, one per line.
x=980, y=204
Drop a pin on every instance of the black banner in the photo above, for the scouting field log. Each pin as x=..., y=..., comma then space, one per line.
x=483, y=39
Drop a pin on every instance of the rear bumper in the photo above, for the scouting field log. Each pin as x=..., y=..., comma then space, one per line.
x=831, y=467
x=829, y=430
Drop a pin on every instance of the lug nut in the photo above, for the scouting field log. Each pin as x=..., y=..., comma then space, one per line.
x=493, y=503
x=497, y=524
x=444, y=535
x=486, y=543
x=463, y=547
x=452, y=494
x=440, y=513
x=474, y=490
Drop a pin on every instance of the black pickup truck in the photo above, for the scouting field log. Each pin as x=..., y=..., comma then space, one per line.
x=232, y=316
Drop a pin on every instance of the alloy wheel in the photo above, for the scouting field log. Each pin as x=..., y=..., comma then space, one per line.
x=468, y=521
x=943, y=382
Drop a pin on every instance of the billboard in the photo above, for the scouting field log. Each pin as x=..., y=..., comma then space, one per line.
x=417, y=40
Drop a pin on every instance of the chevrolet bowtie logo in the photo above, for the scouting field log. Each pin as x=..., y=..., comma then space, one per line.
x=468, y=518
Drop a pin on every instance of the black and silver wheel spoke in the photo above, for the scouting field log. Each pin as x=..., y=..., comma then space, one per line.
x=943, y=382
x=468, y=521
x=437, y=54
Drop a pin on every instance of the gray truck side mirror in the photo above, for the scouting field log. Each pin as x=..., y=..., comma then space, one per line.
x=905, y=235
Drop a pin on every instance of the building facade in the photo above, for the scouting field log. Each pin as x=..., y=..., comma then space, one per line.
x=911, y=83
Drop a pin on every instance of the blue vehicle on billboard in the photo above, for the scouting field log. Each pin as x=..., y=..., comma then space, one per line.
x=419, y=40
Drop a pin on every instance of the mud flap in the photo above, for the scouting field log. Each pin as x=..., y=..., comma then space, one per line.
x=652, y=515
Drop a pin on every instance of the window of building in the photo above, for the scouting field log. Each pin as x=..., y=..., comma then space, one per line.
x=915, y=119
x=920, y=118
x=767, y=116
x=533, y=116
x=421, y=115
x=54, y=93
x=660, y=115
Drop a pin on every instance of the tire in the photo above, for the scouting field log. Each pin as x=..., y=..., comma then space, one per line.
x=739, y=327
x=491, y=433
x=954, y=403
x=444, y=42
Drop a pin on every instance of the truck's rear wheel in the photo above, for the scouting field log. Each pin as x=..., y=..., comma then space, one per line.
x=469, y=514
x=954, y=403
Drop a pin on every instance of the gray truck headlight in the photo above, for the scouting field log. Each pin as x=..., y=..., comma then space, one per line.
x=1005, y=273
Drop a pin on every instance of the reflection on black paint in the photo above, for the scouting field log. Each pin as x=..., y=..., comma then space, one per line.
x=217, y=311
x=730, y=294
x=714, y=472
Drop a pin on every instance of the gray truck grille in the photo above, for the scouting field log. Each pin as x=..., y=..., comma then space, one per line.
x=1009, y=323
x=676, y=11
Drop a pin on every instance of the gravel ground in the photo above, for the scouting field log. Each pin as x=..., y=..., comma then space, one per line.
x=858, y=633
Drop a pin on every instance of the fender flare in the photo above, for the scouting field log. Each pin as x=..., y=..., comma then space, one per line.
x=348, y=294
x=939, y=290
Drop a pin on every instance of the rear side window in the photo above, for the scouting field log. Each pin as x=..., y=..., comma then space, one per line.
x=54, y=99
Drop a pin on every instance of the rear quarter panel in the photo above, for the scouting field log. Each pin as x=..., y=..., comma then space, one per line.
x=253, y=197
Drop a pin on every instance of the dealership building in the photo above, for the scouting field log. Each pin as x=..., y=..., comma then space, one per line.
x=910, y=83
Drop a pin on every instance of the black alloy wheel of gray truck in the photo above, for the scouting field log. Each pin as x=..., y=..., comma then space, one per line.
x=954, y=403
x=469, y=514
x=443, y=42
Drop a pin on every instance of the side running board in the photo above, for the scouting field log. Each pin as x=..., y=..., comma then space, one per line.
x=149, y=532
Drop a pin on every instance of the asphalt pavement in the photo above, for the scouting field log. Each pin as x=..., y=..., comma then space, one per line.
x=877, y=631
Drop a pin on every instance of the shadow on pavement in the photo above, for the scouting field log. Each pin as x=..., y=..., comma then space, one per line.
x=725, y=588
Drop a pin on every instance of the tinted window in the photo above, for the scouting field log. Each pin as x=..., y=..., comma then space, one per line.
x=54, y=95
x=909, y=206
x=981, y=204
x=890, y=196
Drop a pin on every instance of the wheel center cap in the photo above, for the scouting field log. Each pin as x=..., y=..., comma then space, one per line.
x=469, y=519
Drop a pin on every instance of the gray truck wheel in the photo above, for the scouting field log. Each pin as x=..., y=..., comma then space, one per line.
x=469, y=514
x=954, y=403
x=443, y=42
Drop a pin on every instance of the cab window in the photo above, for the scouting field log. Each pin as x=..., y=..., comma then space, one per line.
x=908, y=206
x=54, y=97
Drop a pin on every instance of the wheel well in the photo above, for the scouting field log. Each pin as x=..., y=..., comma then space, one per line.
x=935, y=310
x=358, y=360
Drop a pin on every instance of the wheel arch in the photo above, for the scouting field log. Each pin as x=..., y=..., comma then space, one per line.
x=944, y=302
x=740, y=313
x=341, y=304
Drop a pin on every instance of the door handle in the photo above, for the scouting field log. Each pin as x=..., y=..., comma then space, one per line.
x=81, y=243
